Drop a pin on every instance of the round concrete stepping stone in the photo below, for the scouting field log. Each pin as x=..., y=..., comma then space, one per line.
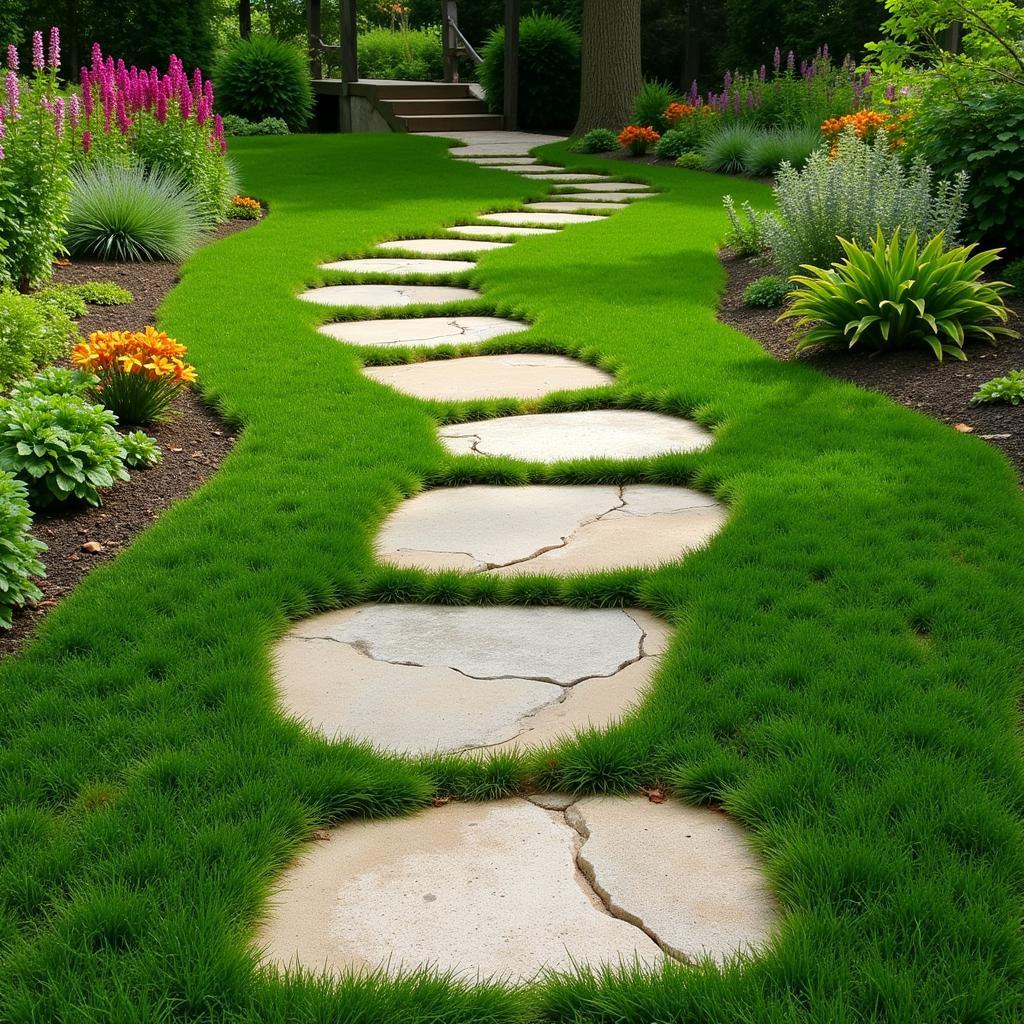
x=519, y=375
x=398, y=266
x=588, y=434
x=380, y=296
x=419, y=679
x=569, y=176
x=548, y=529
x=442, y=246
x=427, y=331
x=497, y=231
x=495, y=891
x=611, y=186
x=537, y=218
x=602, y=197
x=567, y=206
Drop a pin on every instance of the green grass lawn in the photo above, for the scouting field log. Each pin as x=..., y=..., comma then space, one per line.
x=844, y=677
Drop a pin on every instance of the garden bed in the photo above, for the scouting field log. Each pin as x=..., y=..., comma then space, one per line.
x=913, y=378
x=194, y=441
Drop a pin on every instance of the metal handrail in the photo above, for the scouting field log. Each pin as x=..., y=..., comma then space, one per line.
x=474, y=56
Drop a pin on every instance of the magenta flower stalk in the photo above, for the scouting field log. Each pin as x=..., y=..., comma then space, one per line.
x=58, y=116
x=86, y=141
x=161, y=107
x=124, y=123
x=86, y=92
x=54, y=48
x=38, y=63
x=185, y=101
x=12, y=57
x=97, y=58
x=13, y=94
x=763, y=73
x=74, y=110
x=790, y=60
x=727, y=81
x=777, y=59
x=197, y=83
x=208, y=92
x=890, y=92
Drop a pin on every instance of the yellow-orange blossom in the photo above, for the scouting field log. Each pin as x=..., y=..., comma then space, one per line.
x=149, y=353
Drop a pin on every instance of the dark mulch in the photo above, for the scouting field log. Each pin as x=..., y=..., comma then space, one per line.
x=195, y=441
x=912, y=378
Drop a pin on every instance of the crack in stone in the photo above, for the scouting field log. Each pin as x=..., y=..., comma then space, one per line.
x=574, y=819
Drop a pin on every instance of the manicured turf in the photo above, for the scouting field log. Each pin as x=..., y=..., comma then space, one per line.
x=844, y=677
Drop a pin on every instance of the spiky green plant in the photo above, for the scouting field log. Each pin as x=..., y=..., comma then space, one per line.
x=726, y=150
x=897, y=295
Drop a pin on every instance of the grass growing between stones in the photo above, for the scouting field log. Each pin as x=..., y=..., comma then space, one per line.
x=844, y=674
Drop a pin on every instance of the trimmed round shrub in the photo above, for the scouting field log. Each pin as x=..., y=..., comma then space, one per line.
x=127, y=213
x=597, y=140
x=690, y=161
x=650, y=103
x=262, y=77
x=672, y=145
x=767, y=291
x=549, y=72
x=239, y=126
x=31, y=333
x=20, y=563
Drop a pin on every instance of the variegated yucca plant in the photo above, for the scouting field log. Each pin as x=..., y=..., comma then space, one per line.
x=896, y=294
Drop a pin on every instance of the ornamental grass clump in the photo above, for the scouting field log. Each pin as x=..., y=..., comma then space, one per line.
x=896, y=294
x=140, y=372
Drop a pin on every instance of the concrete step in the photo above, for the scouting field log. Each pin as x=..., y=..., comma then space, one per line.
x=416, y=108
x=419, y=90
x=454, y=123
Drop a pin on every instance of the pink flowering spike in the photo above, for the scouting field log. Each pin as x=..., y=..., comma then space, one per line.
x=12, y=57
x=790, y=60
x=86, y=141
x=54, y=48
x=161, y=107
x=58, y=117
x=890, y=92
x=38, y=63
x=777, y=58
x=762, y=74
x=197, y=83
x=97, y=58
x=185, y=101
x=208, y=92
x=74, y=110
x=727, y=80
x=13, y=94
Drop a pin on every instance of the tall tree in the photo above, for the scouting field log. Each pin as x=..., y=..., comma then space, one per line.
x=611, y=75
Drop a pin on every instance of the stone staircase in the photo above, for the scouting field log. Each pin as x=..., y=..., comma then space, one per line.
x=430, y=106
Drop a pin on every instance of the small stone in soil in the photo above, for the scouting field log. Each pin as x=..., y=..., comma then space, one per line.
x=93, y=547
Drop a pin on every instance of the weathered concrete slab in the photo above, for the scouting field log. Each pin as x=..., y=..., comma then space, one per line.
x=428, y=331
x=602, y=197
x=610, y=186
x=570, y=176
x=525, y=169
x=518, y=375
x=442, y=246
x=545, y=529
x=399, y=266
x=541, y=219
x=588, y=434
x=498, y=231
x=418, y=679
x=569, y=205
x=382, y=296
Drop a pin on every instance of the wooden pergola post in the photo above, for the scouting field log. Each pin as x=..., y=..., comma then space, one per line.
x=349, y=45
x=511, y=85
x=313, y=32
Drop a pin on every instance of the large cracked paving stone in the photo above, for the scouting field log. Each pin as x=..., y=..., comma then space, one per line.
x=419, y=679
x=589, y=434
x=518, y=375
x=548, y=529
x=426, y=331
x=381, y=296
x=399, y=265
x=442, y=246
x=525, y=218
x=486, y=230
x=507, y=889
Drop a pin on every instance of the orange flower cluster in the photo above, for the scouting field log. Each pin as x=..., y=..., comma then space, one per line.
x=675, y=112
x=637, y=138
x=867, y=124
x=247, y=203
x=149, y=353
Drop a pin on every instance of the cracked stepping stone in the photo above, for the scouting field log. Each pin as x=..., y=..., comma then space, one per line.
x=613, y=186
x=600, y=197
x=542, y=529
x=567, y=206
x=426, y=331
x=590, y=434
x=518, y=375
x=379, y=296
x=495, y=891
x=525, y=217
x=442, y=246
x=485, y=230
x=399, y=265
x=419, y=679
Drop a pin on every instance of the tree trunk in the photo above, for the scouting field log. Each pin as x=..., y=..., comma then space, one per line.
x=611, y=75
x=245, y=18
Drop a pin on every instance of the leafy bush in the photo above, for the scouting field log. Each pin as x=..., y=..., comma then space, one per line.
x=597, y=140
x=650, y=104
x=767, y=291
x=31, y=333
x=60, y=447
x=140, y=450
x=140, y=372
x=672, y=145
x=863, y=187
x=19, y=550
x=1013, y=275
x=1001, y=389
x=127, y=213
x=101, y=293
x=549, y=71
x=690, y=161
x=981, y=133
x=55, y=380
x=63, y=301
x=260, y=77
x=726, y=150
x=403, y=55
x=695, y=125
x=746, y=233
x=239, y=126
x=772, y=147
x=898, y=295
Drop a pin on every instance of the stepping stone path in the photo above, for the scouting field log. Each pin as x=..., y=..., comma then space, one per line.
x=591, y=434
x=533, y=530
x=521, y=375
x=443, y=246
x=506, y=889
x=381, y=296
x=420, y=679
x=399, y=266
x=426, y=331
